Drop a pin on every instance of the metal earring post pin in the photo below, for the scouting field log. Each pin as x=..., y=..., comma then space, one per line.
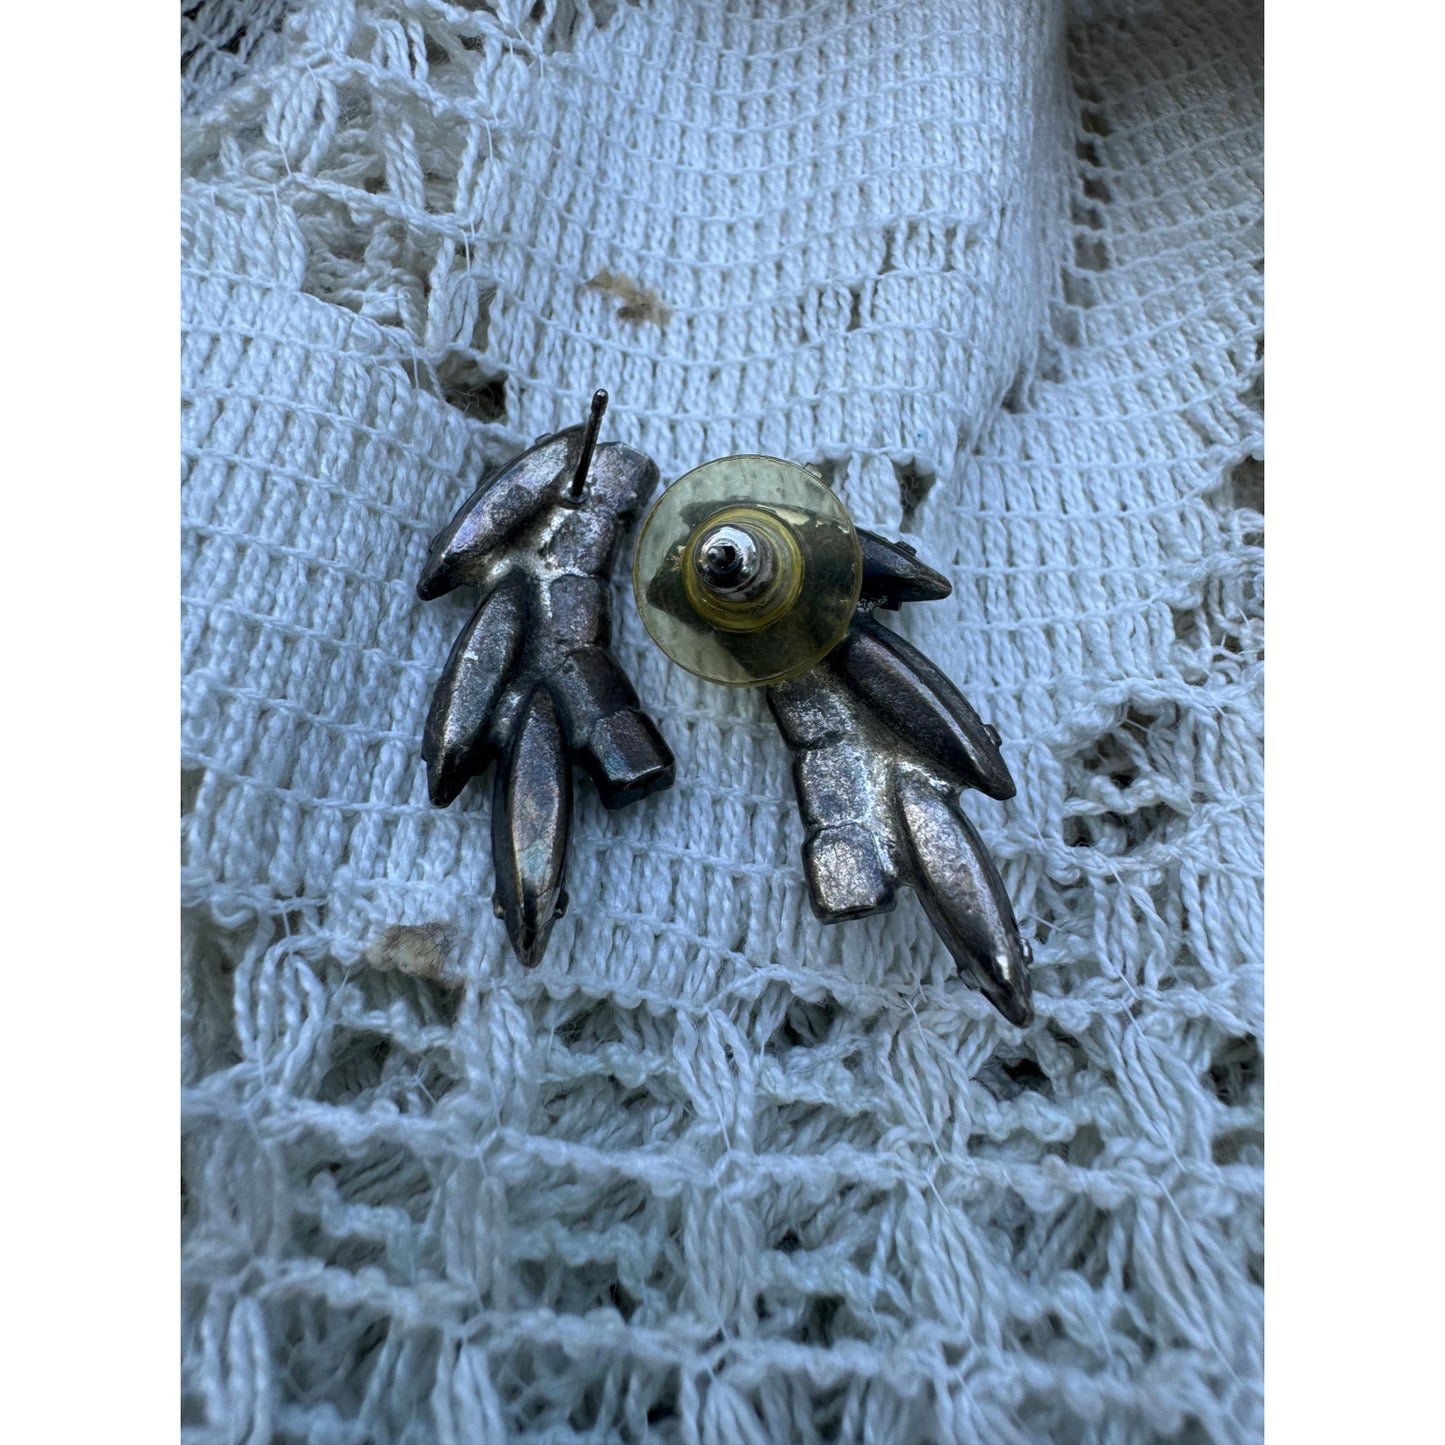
x=589, y=441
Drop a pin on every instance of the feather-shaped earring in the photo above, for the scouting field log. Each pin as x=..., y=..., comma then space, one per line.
x=749, y=572
x=530, y=682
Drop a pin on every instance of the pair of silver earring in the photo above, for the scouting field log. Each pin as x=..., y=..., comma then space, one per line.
x=747, y=572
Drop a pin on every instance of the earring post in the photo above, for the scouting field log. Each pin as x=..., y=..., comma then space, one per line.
x=589, y=442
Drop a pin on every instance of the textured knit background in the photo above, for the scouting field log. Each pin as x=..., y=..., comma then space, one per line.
x=714, y=1172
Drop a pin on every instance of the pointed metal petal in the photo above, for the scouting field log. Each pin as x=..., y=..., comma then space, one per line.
x=455, y=745
x=919, y=703
x=892, y=574
x=531, y=824
x=964, y=897
x=500, y=507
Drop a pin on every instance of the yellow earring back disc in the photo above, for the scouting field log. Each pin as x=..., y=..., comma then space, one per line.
x=747, y=570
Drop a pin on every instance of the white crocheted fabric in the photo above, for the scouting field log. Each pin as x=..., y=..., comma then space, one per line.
x=714, y=1172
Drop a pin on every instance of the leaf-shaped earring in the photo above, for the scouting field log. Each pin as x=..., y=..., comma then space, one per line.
x=530, y=682
x=749, y=572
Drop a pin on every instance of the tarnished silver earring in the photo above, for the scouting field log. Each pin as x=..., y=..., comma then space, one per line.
x=748, y=571
x=530, y=682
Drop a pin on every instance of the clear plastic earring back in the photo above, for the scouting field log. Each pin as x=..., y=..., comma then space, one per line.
x=747, y=571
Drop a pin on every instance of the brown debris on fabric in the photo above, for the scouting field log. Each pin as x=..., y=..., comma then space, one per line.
x=639, y=303
x=423, y=949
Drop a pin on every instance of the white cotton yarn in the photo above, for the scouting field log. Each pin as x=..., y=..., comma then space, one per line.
x=714, y=1172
